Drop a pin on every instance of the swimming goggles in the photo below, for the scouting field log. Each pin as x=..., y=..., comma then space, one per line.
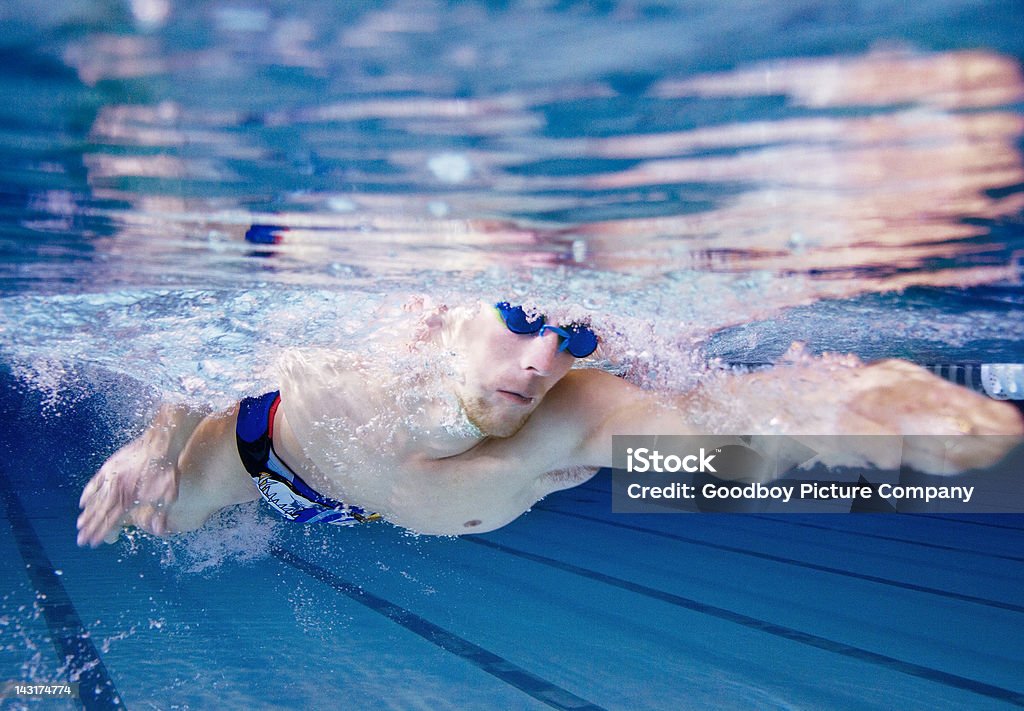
x=576, y=338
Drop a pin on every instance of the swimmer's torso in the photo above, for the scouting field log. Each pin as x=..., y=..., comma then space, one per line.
x=398, y=448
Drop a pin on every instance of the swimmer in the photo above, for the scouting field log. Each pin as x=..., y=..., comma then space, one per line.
x=469, y=447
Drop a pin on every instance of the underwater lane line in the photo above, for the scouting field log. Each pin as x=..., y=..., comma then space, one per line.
x=991, y=691
x=893, y=539
x=70, y=639
x=495, y=665
x=970, y=522
x=963, y=597
x=779, y=518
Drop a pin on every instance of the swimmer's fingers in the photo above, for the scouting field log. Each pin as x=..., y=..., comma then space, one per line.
x=103, y=523
x=907, y=399
x=107, y=527
x=87, y=492
x=151, y=515
x=94, y=526
x=1000, y=418
x=112, y=475
x=953, y=455
x=101, y=514
x=104, y=507
x=91, y=488
x=107, y=531
x=149, y=518
x=94, y=508
x=159, y=522
x=155, y=521
x=113, y=499
x=138, y=474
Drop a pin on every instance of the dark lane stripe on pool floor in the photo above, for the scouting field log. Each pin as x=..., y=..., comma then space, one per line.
x=898, y=665
x=798, y=563
x=495, y=665
x=781, y=520
x=70, y=638
x=954, y=518
x=892, y=539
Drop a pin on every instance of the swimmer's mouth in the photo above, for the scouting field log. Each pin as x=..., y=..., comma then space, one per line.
x=515, y=397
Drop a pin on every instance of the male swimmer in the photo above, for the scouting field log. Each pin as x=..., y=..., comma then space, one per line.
x=469, y=447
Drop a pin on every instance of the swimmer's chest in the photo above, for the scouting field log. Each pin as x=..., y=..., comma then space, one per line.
x=448, y=497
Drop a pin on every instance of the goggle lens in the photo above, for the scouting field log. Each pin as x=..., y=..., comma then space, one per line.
x=581, y=342
x=578, y=339
x=516, y=319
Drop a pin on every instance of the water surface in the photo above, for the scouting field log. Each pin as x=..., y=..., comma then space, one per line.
x=695, y=165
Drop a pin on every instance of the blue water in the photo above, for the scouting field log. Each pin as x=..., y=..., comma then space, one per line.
x=571, y=604
x=714, y=180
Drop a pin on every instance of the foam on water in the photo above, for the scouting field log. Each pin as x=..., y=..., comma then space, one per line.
x=210, y=347
x=237, y=534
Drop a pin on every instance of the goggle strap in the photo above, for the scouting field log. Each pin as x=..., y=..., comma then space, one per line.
x=561, y=332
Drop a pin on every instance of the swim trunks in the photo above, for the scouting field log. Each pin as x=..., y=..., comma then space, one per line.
x=278, y=484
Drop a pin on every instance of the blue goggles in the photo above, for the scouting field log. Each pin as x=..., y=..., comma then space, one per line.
x=575, y=338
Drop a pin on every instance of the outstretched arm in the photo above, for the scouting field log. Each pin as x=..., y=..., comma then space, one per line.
x=171, y=478
x=813, y=402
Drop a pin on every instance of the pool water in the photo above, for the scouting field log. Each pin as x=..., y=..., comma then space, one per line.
x=709, y=180
x=571, y=606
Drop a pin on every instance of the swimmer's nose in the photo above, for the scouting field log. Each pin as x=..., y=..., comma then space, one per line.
x=540, y=353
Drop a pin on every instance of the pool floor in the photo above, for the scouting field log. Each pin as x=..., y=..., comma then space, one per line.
x=572, y=606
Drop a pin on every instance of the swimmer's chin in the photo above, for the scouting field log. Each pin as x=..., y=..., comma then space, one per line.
x=489, y=422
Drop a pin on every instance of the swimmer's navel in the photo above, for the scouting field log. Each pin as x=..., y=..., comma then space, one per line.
x=472, y=523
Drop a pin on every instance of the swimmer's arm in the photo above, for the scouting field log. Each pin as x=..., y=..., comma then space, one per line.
x=601, y=405
x=890, y=397
x=171, y=478
x=177, y=422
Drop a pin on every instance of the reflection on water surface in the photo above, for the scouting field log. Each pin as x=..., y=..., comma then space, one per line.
x=557, y=152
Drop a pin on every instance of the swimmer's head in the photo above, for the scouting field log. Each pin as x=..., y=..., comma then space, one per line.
x=507, y=365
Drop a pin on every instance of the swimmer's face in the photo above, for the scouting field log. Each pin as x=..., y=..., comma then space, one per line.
x=506, y=375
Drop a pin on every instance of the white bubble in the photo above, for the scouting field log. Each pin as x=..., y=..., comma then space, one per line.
x=450, y=167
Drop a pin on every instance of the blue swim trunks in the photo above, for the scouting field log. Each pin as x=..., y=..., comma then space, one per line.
x=280, y=486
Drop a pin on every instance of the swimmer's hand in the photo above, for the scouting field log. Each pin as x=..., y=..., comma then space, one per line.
x=964, y=430
x=136, y=486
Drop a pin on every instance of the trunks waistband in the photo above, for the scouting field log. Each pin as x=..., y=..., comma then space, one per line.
x=281, y=487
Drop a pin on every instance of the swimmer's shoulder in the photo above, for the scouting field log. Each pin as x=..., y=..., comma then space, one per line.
x=569, y=425
x=593, y=385
x=587, y=396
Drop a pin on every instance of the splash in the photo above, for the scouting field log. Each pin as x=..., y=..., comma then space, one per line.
x=237, y=534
